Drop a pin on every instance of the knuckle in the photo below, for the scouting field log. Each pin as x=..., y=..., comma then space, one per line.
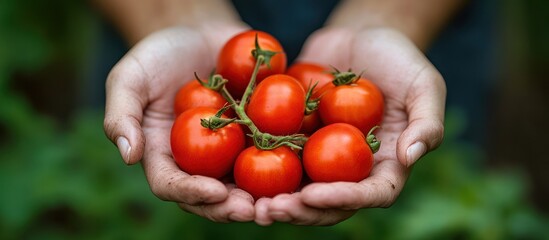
x=207, y=212
x=158, y=191
x=110, y=124
x=160, y=185
x=438, y=134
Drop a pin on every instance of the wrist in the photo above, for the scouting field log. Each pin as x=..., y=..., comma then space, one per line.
x=135, y=21
x=420, y=21
x=412, y=27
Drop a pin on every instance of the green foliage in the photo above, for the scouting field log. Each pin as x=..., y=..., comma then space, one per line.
x=73, y=184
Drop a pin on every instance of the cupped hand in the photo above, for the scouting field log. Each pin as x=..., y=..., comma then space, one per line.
x=139, y=114
x=414, y=93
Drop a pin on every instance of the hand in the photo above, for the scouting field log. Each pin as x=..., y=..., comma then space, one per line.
x=414, y=94
x=139, y=115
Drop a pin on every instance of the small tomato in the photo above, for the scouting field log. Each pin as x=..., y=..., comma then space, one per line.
x=337, y=152
x=266, y=173
x=198, y=150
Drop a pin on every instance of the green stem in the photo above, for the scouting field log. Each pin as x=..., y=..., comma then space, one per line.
x=240, y=111
x=216, y=122
x=251, y=84
x=264, y=141
x=225, y=94
x=311, y=105
x=240, y=108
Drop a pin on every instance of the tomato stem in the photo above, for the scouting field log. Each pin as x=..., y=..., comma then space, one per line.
x=249, y=89
x=216, y=122
x=311, y=104
x=267, y=55
x=264, y=141
x=225, y=93
x=215, y=81
x=240, y=107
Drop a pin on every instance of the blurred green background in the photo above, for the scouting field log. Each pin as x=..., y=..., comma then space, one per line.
x=61, y=178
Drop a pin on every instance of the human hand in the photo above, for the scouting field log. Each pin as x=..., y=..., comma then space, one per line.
x=139, y=115
x=414, y=94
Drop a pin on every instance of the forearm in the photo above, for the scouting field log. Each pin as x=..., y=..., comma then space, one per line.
x=137, y=19
x=420, y=20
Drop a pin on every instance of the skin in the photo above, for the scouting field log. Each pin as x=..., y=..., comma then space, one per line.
x=140, y=91
x=387, y=40
x=411, y=117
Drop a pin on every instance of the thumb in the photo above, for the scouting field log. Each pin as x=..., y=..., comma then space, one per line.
x=125, y=101
x=425, y=107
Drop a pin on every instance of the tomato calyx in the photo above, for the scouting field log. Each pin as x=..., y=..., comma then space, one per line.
x=267, y=55
x=344, y=78
x=311, y=104
x=216, y=122
x=215, y=81
x=372, y=140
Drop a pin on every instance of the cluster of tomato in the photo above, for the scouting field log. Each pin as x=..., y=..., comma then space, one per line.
x=269, y=125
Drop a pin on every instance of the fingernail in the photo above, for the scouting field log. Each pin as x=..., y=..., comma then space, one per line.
x=124, y=148
x=414, y=152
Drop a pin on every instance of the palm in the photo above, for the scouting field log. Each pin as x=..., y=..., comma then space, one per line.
x=146, y=80
x=402, y=72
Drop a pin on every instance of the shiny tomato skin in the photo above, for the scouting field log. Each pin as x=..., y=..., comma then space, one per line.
x=236, y=63
x=337, y=152
x=200, y=151
x=311, y=123
x=277, y=105
x=193, y=94
x=319, y=92
x=266, y=173
x=308, y=73
x=359, y=104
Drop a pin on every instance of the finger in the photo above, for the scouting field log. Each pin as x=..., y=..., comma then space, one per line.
x=425, y=107
x=165, y=178
x=169, y=183
x=237, y=207
x=262, y=217
x=330, y=41
x=380, y=189
x=396, y=64
x=125, y=101
x=291, y=209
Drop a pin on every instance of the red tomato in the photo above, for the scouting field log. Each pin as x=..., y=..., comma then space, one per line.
x=337, y=152
x=277, y=105
x=311, y=123
x=201, y=151
x=236, y=63
x=359, y=104
x=266, y=173
x=193, y=94
x=306, y=73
